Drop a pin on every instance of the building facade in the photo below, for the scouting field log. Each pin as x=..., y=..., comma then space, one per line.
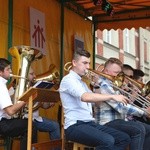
x=130, y=46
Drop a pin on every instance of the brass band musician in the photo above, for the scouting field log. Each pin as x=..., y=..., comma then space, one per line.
x=12, y=127
x=114, y=114
x=77, y=101
x=43, y=124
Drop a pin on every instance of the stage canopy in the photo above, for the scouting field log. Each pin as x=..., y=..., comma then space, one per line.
x=126, y=13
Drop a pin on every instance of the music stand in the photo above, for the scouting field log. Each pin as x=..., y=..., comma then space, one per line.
x=38, y=95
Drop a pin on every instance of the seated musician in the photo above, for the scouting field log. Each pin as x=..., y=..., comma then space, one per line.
x=77, y=101
x=112, y=113
x=43, y=124
x=9, y=126
x=137, y=75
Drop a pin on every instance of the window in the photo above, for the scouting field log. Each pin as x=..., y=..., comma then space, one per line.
x=108, y=37
x=145, y=52
x=126, y=42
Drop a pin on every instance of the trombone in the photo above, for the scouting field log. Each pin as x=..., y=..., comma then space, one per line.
x=142, y=97
x=117, y=82
x=91, y=74
x=144, y=88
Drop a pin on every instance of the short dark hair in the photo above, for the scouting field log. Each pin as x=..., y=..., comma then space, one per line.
x=4, y=63
x=137, y=73
x=128, y=67
x=81, y=52
x=113, y=60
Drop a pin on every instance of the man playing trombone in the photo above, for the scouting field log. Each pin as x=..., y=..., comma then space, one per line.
x=76, y=100
x=112, y=114
x=137, y=75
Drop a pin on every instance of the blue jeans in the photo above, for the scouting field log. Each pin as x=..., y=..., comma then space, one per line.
x=147, y=135
x=49, y=126
x=135, y=130
x=17, y=127
x=101, y=137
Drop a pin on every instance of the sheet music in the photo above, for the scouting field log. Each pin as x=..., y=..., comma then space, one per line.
x=44, y=84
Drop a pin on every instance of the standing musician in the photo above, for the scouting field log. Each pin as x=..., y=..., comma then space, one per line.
x=43, y=124
x=77, y=101
x=111, y=113
x=12, y=127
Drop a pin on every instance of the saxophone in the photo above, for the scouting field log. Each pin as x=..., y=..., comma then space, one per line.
x=22, y=56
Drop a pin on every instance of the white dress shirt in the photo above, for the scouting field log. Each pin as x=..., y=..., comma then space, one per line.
x=71, y=90
x=5, y=99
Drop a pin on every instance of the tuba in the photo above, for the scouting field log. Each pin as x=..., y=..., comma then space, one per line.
x=22, y=56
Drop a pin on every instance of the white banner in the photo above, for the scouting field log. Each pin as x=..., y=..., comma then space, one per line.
x=37, y=30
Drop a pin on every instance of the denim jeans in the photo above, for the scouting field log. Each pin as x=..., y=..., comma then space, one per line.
x=18, y=127
x=49, y=126
x=101, y=137
x=135, y=130
x=147, y=135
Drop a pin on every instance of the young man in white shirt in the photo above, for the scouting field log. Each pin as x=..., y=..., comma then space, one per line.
x=9, y=126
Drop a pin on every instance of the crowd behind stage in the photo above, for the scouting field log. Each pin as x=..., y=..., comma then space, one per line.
x=112, y=115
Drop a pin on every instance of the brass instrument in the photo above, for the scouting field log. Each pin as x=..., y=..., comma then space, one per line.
x=90, y=74
x=141, y=96
x=16, y=76
x=116, y=80
x=68, y=66
x=51, y=75
x=144, y=88
x=23, y=56
x=117, y=83
x=100, y=67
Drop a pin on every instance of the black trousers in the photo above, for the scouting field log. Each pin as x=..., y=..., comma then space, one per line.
x=17, y=127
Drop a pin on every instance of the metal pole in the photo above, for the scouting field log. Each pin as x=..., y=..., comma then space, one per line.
x=62, y=40
x=10, y=26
